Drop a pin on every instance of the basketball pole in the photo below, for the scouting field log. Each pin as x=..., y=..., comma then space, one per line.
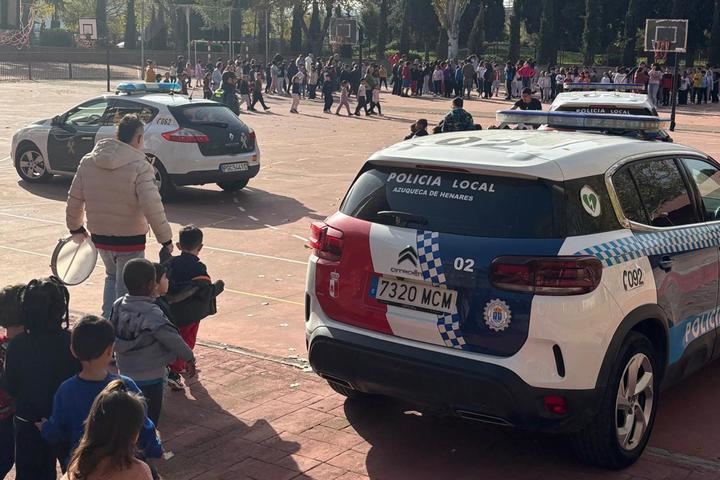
x=673, y=96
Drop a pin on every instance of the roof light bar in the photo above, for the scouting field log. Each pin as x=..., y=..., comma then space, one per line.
x=603, y=86
x=143, y=87
x=581, y=121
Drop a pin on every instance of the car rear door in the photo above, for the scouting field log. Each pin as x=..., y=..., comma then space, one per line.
x=705, y=176
x=658, y=197
x=75, y=135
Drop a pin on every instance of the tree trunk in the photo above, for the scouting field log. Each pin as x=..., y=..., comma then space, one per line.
x=514, y=48
x=590, y=33
x=404, y=46
x=714, y=54
x=548, y=36
x=382, y=31
x=629, y=55
x=296, y=29
x=476, y=39
x=101, y=18
x=453, y=42
x=130, y=27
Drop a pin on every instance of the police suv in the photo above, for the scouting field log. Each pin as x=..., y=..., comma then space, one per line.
x=189, y=141
x=545, y=280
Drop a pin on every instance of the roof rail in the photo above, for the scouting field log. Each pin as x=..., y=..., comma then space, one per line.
x=619, y=87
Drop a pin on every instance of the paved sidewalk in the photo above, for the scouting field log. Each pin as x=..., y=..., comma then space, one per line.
x=249, y=418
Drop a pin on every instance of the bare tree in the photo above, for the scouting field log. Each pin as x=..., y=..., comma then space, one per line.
x=449, y=13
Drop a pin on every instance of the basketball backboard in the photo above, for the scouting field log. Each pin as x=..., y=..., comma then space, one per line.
x=88, y=28
x=344, y=30
x=666, y=35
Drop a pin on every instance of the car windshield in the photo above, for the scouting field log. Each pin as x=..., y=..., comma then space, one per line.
x=453, y=202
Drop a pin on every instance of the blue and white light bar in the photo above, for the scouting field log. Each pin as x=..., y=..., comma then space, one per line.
x=618, y=87
x=143, y=87
x=582, y=121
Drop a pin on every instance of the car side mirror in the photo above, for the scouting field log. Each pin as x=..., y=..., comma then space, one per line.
x=56, y=121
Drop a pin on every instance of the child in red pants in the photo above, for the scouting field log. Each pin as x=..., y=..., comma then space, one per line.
x=190, y=294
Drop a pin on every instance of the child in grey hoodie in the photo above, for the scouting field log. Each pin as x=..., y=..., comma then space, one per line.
x=145, y=340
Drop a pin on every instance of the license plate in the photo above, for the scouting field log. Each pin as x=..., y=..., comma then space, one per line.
x=234, y=167
x=414, y=295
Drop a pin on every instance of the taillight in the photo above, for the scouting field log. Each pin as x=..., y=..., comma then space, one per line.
x=326, y=241
x=185, y=135
x=251, y=137
x=546, y=275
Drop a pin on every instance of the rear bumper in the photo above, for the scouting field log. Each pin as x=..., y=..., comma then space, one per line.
x=201, y=177
x=459, y=386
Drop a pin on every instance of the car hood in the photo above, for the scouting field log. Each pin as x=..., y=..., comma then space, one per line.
x=112, y=154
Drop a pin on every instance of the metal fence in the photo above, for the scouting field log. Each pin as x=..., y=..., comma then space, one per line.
x=64, y=71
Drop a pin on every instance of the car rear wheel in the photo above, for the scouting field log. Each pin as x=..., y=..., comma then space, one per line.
x=30, y=164
x=233, y=186
x=618, y=435
x=162, y=180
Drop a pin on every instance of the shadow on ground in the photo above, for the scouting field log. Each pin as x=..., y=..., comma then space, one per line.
x=219, y=209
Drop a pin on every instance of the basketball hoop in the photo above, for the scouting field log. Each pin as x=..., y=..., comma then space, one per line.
x=20, y=38
x=335, y=44
x=661, y=48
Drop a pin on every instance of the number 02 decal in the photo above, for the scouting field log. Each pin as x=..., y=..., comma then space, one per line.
x=464, y=264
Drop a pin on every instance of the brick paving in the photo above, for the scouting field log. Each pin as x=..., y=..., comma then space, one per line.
x=249, y=418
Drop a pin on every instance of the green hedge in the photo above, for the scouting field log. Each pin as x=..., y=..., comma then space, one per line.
x=202, y=47
x=56, y=37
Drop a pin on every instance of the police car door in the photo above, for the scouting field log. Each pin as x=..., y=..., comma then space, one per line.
x=705, y=176
x=658, y=198
x=74, y=135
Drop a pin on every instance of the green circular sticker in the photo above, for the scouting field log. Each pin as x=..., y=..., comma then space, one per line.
x=590, y=201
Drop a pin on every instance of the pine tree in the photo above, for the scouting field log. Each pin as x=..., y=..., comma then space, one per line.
x=494, y=20
x=548, y=48
x=714, y=54
x=296, y=27
x=382, y=32
x=130, y=27
x=404, y=46
x=630, y=35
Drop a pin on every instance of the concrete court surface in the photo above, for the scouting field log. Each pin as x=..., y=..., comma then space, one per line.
x=254, y=240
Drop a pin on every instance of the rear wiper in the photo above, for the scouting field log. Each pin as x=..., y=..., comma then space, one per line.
x=212, y=124
x=403, y=217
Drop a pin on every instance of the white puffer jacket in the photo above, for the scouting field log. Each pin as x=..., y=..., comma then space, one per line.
x=115, y=184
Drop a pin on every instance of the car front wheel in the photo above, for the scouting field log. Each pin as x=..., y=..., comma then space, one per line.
x=30, y=164
x=618, y=435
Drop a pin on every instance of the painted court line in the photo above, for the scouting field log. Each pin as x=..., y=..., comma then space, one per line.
x=266, y=297
x=28, y=252
x=253, y=218
x=206, y=247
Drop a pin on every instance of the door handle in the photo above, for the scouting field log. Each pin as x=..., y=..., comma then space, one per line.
x=86, y=138
x=666, y=263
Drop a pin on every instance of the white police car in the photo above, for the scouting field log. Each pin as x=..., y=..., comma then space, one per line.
x=608, y=98
x=190, y=141
x=545, y=280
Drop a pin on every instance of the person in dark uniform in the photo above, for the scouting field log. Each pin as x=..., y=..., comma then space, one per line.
x=527, y=102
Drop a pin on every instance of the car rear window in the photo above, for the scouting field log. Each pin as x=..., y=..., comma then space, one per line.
x=606, y=109
x=205, y=114
x=455, y=202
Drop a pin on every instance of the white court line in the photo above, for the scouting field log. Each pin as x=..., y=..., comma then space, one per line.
x=270, y=226
x=253, y=218
x=226, y=250
x=300, y=238
x=17, y=250
x=241, y=209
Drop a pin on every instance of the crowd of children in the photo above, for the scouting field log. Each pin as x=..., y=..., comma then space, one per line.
x=60, y=400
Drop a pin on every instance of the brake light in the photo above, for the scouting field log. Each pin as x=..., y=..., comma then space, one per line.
x=555, y=404
x=546, y=275
x=251, y=137
x=326, y=241
x=185, y=135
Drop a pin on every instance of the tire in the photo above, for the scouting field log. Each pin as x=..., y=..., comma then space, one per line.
x=165, y=184
x=346, y=391
x=626, y=415
x=233, y=186
x=31, y=165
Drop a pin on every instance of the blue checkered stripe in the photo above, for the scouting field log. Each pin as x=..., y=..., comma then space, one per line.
x=639, y=245
x=428, y=248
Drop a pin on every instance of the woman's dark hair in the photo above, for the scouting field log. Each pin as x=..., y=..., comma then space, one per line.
x=111, y=432
x=10, y=305
x=45, y=305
